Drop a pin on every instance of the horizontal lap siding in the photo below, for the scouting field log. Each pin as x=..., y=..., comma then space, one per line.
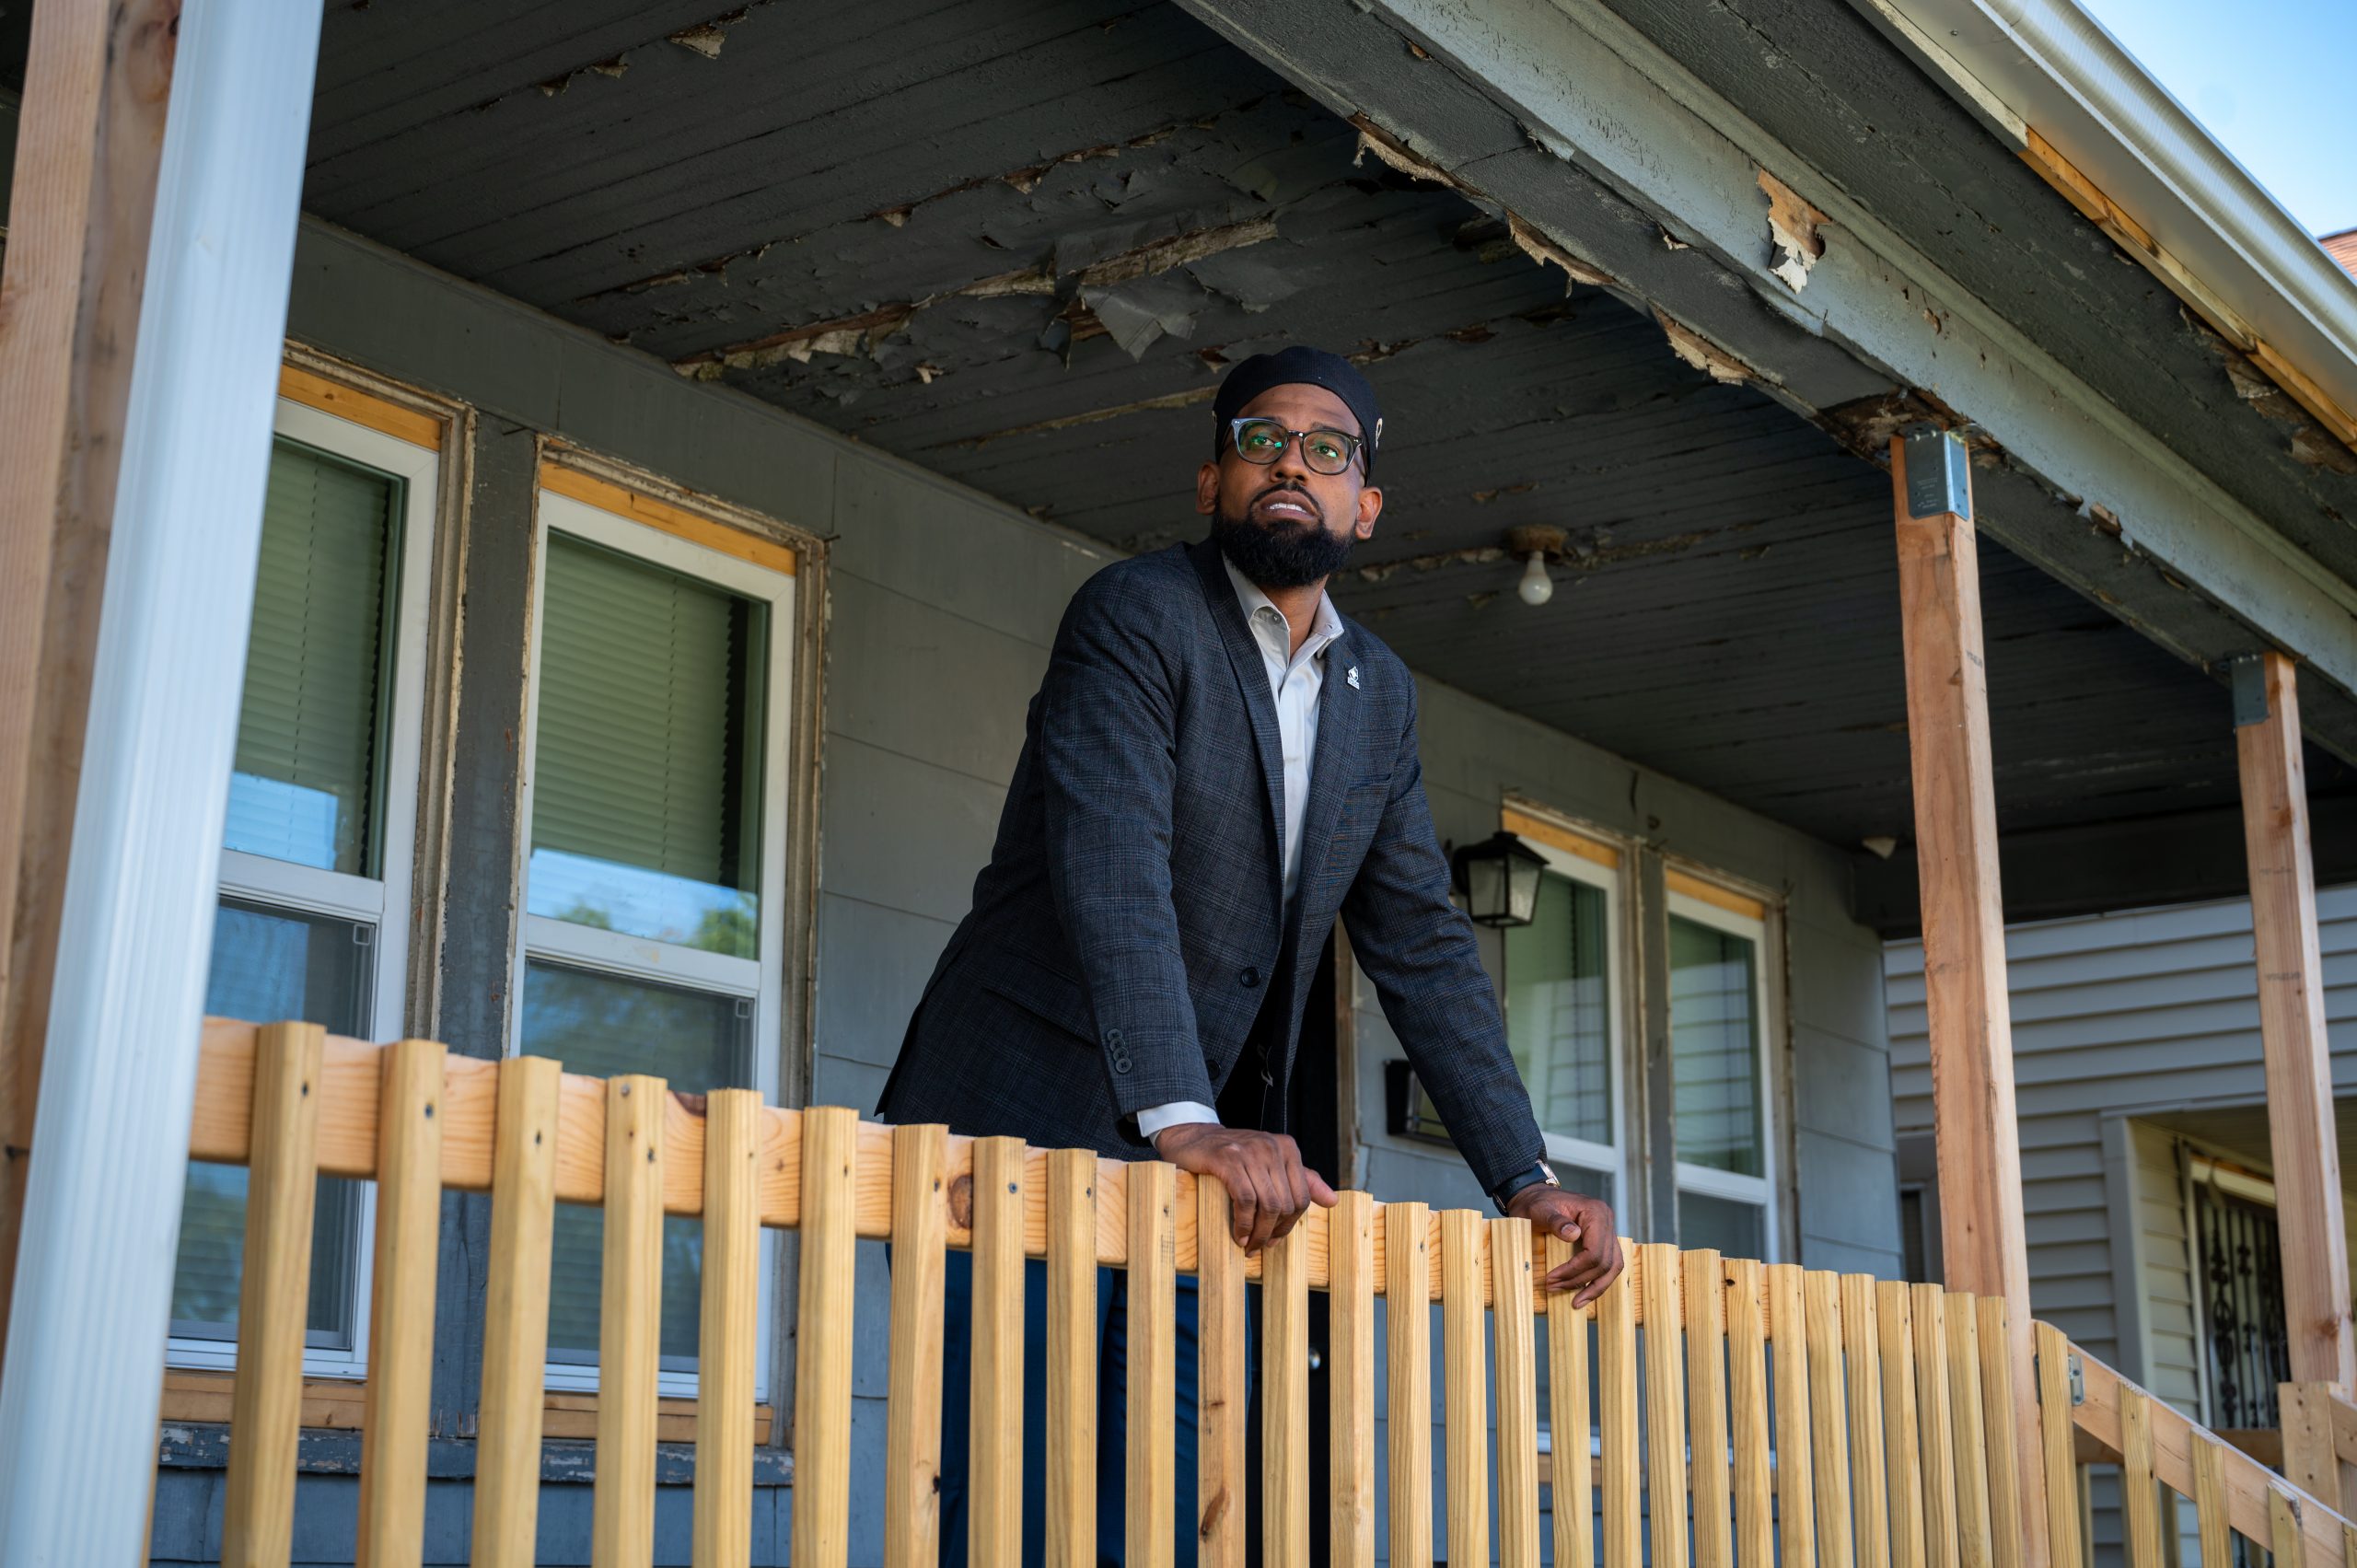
x=2147, y=1010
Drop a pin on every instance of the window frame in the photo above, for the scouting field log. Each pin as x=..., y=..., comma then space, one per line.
x=760, y=979
x=385, y=900
x=1759, y=1192
x=1611, y=1158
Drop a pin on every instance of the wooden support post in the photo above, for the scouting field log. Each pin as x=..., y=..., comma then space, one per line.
x=2298, y=1055
x=1984, y=1249
x=89, y=139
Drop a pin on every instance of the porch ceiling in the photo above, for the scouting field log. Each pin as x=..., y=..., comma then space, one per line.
x=1012, y=240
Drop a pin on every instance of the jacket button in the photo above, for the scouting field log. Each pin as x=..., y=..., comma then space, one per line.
x=1250, y=978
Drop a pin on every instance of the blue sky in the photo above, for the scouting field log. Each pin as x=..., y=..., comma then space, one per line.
x=2275, y=81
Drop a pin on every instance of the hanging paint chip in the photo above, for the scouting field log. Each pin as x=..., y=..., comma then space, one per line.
x=1792, y=231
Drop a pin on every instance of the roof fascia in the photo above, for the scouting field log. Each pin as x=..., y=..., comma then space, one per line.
x=1529, y=104
x=2049, y=80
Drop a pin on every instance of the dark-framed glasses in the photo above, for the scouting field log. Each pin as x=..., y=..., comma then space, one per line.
x=1263, y=441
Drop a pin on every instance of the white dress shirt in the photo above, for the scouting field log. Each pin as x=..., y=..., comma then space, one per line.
x=1296, y=680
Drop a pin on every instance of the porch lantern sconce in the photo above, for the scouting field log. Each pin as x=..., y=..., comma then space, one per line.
x=1499, y=878
x=1533, y=546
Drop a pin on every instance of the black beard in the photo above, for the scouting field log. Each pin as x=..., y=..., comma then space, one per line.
x=1285, y=554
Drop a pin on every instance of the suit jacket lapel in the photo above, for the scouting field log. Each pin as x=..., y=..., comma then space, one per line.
x=1336, y=765
x=1252, y=677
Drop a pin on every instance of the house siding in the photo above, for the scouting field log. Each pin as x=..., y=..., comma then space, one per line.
x=943, y=606
x=2117, y=1017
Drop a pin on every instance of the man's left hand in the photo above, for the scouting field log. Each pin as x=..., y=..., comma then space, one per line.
x=1586, y=1224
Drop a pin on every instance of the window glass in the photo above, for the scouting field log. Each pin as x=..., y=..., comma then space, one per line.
x=1714, y=1052
x=646, y=776
x=1734, y=1229
x=603, y=1026
x=267, y=964
x=1559, y=1020
x=310, y=726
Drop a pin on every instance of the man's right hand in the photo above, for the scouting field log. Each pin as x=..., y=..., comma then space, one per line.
x=1268, y=1187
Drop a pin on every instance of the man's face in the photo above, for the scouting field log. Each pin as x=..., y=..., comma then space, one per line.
x=1299, y=516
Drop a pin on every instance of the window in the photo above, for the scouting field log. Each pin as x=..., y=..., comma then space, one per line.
x=653, y=804
x=1562, y=1006
x=1719, y=1069
x=316, y=849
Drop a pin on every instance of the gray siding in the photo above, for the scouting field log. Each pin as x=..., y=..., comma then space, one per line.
x=944, y=603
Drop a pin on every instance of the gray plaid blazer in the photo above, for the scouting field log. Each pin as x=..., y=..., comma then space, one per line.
x=1131, y=926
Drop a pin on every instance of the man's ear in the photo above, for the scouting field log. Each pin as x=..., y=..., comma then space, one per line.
x=1207, y=489
x=1370, y=508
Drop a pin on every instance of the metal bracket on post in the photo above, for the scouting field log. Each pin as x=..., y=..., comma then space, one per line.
x=2248, y=674
x=1939, y=478
x=2075, y=1377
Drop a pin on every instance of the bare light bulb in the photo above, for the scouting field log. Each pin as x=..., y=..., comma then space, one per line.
x=1536, y=588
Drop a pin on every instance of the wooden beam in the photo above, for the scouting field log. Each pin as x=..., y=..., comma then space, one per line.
x=1964, y=934
x=2291, y=1020
x=89, y=139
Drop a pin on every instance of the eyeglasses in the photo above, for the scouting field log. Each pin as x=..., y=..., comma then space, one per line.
x=1263, y=441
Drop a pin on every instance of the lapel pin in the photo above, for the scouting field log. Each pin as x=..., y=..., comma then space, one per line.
x=1352, y=677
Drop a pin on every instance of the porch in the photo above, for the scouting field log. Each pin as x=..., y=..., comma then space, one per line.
x=944, y=351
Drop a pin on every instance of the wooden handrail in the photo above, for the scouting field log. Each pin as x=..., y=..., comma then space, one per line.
x=1893, y=1412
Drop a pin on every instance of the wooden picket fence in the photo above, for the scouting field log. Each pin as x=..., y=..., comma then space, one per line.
x=1818, y=1419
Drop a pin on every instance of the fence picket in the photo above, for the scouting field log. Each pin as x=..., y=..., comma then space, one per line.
x=1662, y=1284
x=1464, y=1262
x=1903, y=1431
x=995, y=1476
x=1284, y=1402
x=2210, y=1498
x=630, y=1323
x=2058, y=1443
x=396, y=1409
x=1219, y=1396
x=1934, y=1428
x=1706, y=1407
x=2140, y=1501
x=1407, y=1341
x=912, y=1404
x=1153, y=1410
x=1997, y=1401
x=729, y=1308
x=1829, y=1424
x=273, y=1296
x=515, y=1312
x=1795, y=1486
x=1070, y=1371
x=1517, y=1392
x=828, y=1310
x=1861, y=1355
x=1975, y=1541
x=1350, y=1253
x=1571, y=1481
x=1755, y=1520
x=2285, y=1538
x=1615, y=1386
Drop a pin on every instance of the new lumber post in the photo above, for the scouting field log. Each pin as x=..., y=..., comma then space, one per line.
x=2299, y=1069
x=1964, y=928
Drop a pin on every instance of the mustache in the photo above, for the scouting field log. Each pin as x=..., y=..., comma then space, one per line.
x=1284, y=487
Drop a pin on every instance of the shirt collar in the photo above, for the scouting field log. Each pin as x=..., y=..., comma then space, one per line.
x=1324, y=627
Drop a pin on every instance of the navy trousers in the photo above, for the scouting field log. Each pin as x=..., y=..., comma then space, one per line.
x=1112, y=1425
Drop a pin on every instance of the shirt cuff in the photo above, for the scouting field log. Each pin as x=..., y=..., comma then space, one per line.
x=1177, y=1113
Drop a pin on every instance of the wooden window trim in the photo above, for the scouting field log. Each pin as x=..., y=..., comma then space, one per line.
x=638, y=506
x=1523, y=823
x=336, y=1404
x=298, y=385
x=1714, y=894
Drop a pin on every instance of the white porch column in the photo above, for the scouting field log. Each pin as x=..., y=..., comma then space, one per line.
x=85, y=1339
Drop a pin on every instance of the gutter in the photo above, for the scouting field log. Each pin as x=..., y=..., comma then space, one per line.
x=2047, y=79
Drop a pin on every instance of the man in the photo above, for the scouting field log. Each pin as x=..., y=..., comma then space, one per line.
x=1217, y=765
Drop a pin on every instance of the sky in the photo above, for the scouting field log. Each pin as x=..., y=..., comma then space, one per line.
x=2275, y=81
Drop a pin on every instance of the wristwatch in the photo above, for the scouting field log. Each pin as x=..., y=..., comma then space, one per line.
x=1539, y=1173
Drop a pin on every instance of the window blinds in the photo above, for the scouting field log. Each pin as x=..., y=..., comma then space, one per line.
x=309, y=726
x=647, y=745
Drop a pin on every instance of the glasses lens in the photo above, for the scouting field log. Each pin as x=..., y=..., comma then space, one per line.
x=1327, y=451
x=1260, y=440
